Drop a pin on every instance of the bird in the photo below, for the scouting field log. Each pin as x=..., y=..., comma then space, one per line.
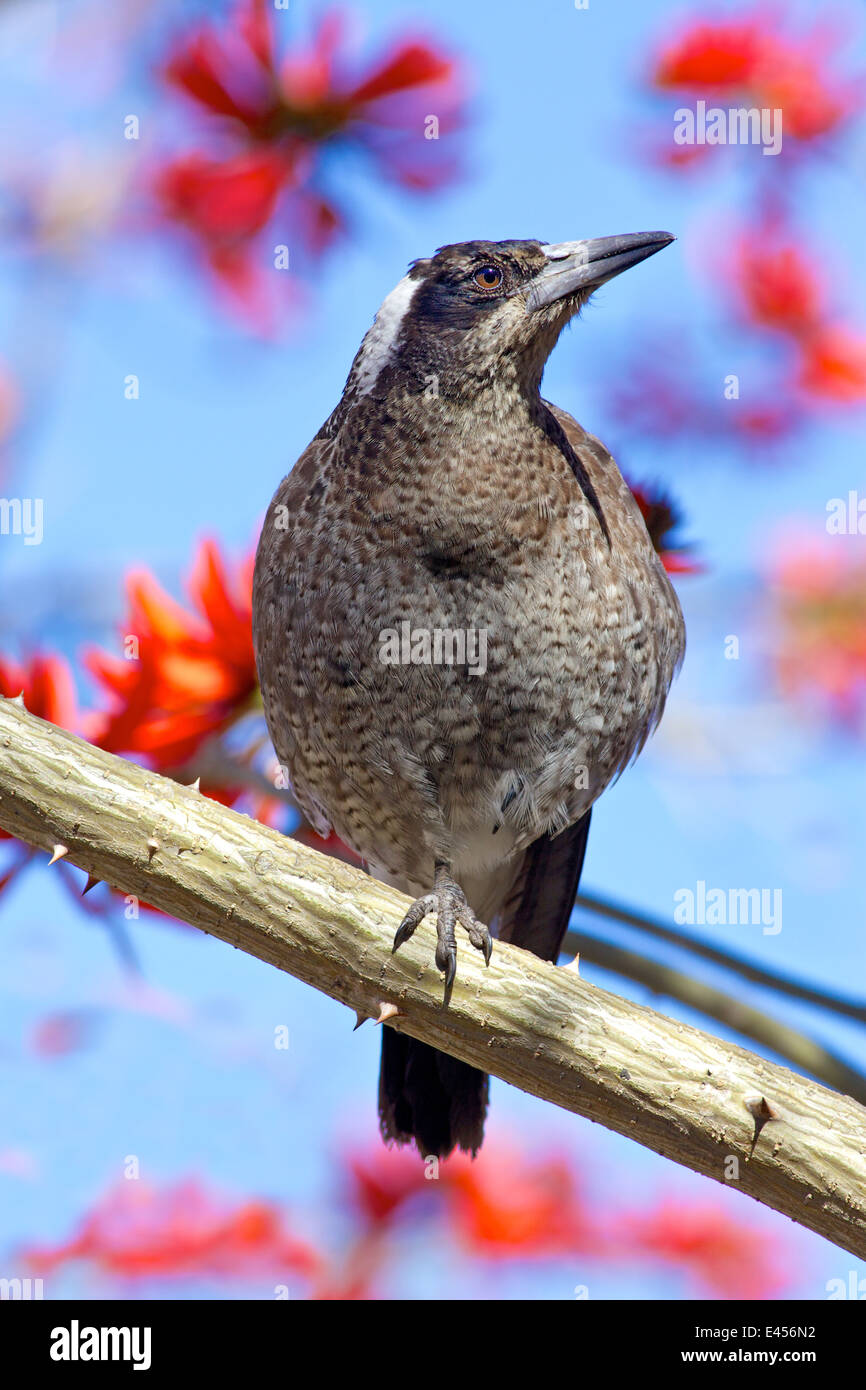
x=463, y=632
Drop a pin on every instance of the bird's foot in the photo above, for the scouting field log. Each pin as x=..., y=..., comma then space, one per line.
x=449, y=903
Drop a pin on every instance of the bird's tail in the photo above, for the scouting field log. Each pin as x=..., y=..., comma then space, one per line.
x=433, y=1099
x=429, y=1097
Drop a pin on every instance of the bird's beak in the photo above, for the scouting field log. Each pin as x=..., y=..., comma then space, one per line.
x=584, y=265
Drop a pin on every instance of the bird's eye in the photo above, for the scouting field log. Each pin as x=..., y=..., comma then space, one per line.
x=488, y=277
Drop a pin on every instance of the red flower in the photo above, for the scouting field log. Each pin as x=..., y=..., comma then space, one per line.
x=777, y=284
x=728, y=1257
x=190, y=673
x=780, y=290
x=310, y=96
x=273, y=117
x=749, y=59
x=819, y=589
x=502, y=1204
x=509, y=1205
x=137, y=1231
x=231, y=73
x=384, y=1180
x=47, y=686
x=833, y=365
x=662, y=518
x=722, y=56
x=224, y=201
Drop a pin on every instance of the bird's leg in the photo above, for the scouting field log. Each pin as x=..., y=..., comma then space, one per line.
x=449, y=903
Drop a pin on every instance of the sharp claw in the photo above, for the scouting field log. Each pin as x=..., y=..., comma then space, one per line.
x=450, y=906
x=449, y=965
x=401, y=936
x=416, y=913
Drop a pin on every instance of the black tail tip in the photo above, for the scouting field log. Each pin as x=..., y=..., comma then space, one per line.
x=429, y=1099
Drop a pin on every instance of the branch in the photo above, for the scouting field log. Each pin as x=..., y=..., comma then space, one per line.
x=805, y=1052
x=704, y=1103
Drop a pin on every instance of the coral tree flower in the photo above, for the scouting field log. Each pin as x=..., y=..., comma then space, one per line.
x=272, y=120
x=190, y=672
x=751, y=60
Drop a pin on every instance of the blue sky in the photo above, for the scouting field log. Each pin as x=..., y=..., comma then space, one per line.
x=759, y=800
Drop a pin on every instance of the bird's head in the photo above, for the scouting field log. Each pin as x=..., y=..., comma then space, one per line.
x=481, y=311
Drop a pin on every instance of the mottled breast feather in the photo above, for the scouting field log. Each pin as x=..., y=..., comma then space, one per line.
x=584, y=634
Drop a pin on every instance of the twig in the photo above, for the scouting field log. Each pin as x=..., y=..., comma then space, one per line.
x=731, y=960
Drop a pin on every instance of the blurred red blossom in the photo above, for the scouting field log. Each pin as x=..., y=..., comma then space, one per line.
x=382, y=1181
x=226, y=203
x=775, y=292
x=506, y=1206
x=271, y=118
x=731, y=1260
x=773, y=282
x=69, y=1030
x=501, y=1204
x=46, y=684
x=780, y=290
x=662, y=518
x=136, y=1230
x=819, y=625
x=47, y=687
x=833, y=365
x=750, y=59
x=777, y=283
x=186, y=679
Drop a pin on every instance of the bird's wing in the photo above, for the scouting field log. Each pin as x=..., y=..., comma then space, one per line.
x=618, y=506
x=538, y=909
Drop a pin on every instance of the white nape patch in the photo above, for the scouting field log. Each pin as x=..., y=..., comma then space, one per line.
x=378, y=345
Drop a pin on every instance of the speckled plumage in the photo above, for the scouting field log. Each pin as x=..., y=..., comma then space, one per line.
x=445, y=493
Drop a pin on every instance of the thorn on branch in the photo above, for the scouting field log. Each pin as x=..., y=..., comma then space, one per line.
x=388, y=1011
x=761, y=1111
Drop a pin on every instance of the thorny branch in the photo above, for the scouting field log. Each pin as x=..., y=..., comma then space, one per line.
x=706, y=1104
